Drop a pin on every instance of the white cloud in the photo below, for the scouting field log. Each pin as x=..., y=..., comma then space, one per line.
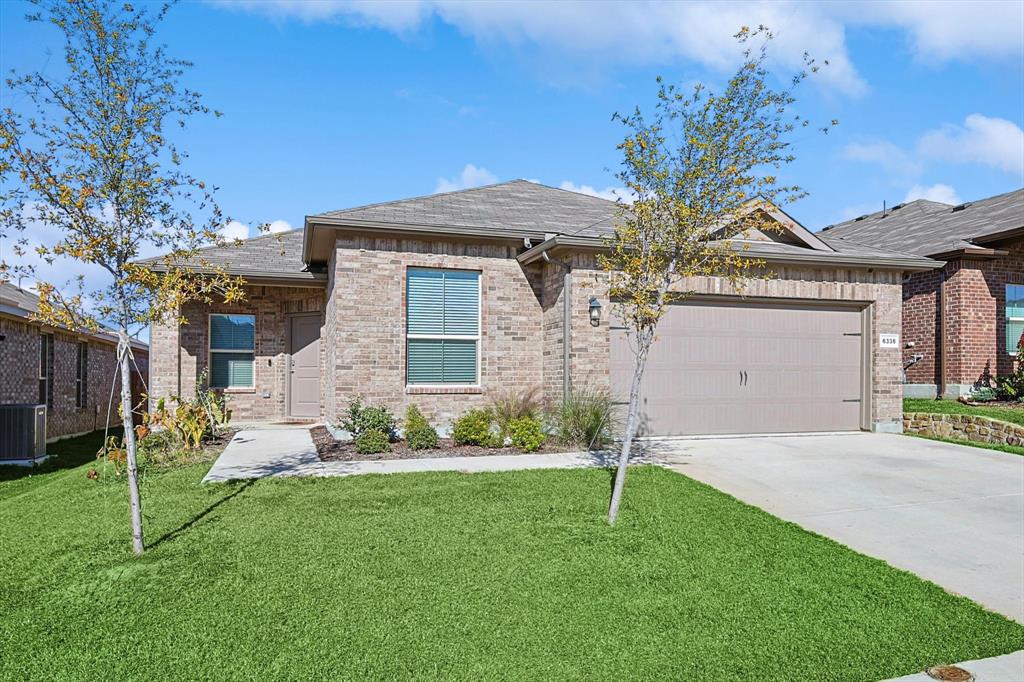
x=609, y=193
x=471, y=176
x=885, y=154
x=641, y=32
x=942, y=30
x=646, y=31
x=234, y=230
x=279, y=226
x=994, y=142
x=944, y=194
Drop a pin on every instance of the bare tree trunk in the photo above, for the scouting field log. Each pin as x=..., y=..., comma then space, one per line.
x=123, y=347
x=643, y=345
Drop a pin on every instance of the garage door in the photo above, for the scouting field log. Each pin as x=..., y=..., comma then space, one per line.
x=746, y=367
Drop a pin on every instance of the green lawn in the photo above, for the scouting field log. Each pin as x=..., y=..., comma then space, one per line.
x=1007, y=414
x=481, y=576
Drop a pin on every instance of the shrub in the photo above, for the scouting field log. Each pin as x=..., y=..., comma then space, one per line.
x=983, y=394
x=473, y=428
x=585, y=419
x=372, y=441
x=515, y=405
x=419, y=434
x=526, y=434
x=360, y=418
x=193, y=420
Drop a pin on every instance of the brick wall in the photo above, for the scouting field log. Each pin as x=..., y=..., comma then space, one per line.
x=19, y=364
x=976, y=321
x=369, y=318
x=921, y=325
x=181, y=352
x=363, y=335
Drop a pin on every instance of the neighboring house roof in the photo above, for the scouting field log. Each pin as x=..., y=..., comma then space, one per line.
x=18, y=302
x=929, y=228
x=276, y=256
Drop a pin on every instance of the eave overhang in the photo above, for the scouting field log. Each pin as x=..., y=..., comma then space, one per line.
x=562, y=244
x=318, y=250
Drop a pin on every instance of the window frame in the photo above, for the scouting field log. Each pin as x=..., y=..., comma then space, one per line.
x=82, y=375
x=211, y=350
x=478, y=337
x=1006, y=315
x=45, y=373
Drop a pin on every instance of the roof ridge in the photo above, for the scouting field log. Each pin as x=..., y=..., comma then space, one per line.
x=460, y=191
x=420, y=196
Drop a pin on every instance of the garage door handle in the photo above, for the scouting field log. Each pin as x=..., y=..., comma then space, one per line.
x=851, y=400
x=743, y=377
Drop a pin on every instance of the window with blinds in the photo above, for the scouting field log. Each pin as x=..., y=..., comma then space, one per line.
x=1014, y=316
x=232, y=351
x=442, y=327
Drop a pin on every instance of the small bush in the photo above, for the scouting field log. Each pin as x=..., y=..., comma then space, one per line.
x=585, y=419
x=372, y=441
x=526, y=434
x=360, y=418
x=419, y=434
x=983, y=394
x=515, y=405
x=473, y=428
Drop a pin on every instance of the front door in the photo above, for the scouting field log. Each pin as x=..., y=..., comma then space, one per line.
x=304, y=373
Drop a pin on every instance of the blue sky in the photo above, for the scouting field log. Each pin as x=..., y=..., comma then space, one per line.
x=335, y=104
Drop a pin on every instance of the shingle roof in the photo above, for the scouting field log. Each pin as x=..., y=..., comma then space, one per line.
x=18, y=298
x=271, y=255
x=22, y=303
x=517, y=206
x=927, y=227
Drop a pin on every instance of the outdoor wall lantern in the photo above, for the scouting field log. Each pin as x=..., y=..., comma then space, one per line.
x=595, y=312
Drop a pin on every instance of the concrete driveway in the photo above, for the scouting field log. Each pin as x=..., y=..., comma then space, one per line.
x=949, y=513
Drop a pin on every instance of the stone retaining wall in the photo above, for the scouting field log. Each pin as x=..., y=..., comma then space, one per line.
x=964, y=427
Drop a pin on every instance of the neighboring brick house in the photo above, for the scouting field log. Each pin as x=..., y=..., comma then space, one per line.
x=70, y=372
x=449, y=301
x=961, y=323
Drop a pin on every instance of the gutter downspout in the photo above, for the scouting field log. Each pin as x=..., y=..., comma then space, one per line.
x=940, y=310
x=566, y=322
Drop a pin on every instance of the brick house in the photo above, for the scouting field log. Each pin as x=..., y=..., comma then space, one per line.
x=450, y=300
x=961, y=322
x=69, y=372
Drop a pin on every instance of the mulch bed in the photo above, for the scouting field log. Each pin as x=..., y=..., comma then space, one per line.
x=331, y=449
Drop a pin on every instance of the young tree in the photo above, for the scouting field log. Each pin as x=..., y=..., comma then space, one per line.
x=700, y=169
x=92, y=157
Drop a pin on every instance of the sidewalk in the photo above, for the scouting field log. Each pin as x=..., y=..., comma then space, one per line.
x=289, y=451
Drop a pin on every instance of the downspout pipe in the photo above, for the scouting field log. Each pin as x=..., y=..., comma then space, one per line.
x=566, y=322
x=940, y=310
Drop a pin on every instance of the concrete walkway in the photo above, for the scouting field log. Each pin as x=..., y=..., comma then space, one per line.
x=289, y=451
x=952, y=514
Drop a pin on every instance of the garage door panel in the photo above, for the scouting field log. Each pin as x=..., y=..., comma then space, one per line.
x=720, y=368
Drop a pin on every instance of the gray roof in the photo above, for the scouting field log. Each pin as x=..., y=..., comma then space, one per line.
x=516, y=206
x=23, y=303
x=513, y=208
x=928, y=228
x=12, y=296
x=275, y=256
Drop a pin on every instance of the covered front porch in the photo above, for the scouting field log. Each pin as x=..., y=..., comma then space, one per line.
x=264, y=353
